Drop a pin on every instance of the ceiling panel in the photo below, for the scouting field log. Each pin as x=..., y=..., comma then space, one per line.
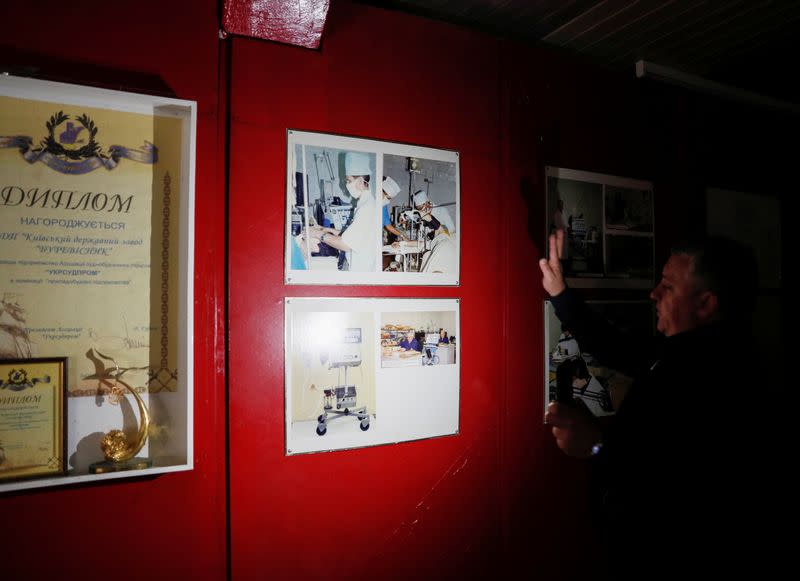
x=723, y=40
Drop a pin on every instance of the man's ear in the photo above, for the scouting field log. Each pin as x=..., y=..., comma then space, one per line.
x=707, y=306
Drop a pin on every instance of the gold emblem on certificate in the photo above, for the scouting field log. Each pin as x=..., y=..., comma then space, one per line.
x=32, y=418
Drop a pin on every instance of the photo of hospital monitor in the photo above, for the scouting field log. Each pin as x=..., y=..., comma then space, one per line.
x=299, y=188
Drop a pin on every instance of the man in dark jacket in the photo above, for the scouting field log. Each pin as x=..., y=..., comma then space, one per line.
x=674, y=473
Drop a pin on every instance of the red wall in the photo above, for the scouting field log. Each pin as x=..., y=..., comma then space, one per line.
x=499, y=496
x=175, y=524
x=434, y=506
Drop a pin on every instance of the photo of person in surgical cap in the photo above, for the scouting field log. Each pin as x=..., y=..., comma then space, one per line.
x=424, y=206
x=390, y=190
x=358, y=238
x=442, y=256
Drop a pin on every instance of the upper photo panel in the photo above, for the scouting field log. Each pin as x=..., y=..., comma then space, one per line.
x=608, y=228
x=362, y=211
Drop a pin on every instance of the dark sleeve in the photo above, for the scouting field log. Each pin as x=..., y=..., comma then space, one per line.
x=597, y=336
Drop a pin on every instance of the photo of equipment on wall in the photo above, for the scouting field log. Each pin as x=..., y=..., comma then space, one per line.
x=573, y=374
x=369, y=371
x=608, y=228
x=370, y=212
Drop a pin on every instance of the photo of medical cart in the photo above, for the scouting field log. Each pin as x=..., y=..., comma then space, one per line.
x=429, y=356
x=342, y=396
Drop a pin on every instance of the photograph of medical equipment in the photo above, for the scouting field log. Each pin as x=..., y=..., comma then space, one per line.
x=576, y=207
x=343, y=226
x=572, y=372
x=318, y=177
x=422, y=215
x=343, y=395
x=408, y=255
x=608, y=228
x=319, y=200
x=417, y=339
x=429, y=356
x=574, y=381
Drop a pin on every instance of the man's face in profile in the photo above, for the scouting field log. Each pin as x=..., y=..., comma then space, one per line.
x=677, y=296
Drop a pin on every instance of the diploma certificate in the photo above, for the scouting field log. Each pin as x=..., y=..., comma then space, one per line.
x=89, y=230
x=32, y=418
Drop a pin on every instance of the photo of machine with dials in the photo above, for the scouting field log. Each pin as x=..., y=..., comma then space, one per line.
x=340, y=399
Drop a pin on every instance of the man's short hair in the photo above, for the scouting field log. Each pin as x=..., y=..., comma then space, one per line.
x=728, y=269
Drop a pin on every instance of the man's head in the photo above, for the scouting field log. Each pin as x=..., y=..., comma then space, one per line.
x=357, y=185
x=410, y=335
x=703, y=283
x=357, y=173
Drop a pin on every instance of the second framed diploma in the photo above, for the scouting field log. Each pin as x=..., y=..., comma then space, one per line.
x=32, y=418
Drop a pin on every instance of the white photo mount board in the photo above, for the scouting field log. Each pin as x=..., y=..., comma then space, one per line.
x=411, y=402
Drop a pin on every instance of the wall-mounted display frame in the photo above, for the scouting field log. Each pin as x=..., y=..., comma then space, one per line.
x=97, y=226
x=585, y=376
x=372, y=371
x=609, y=228
x=363, y=211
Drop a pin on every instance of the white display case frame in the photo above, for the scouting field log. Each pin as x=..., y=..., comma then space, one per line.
x=172, y=411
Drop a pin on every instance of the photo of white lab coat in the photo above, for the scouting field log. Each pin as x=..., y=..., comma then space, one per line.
x=361, y=236
x=443, y=215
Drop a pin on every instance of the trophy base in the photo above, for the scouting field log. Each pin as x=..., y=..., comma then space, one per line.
x=111, y=466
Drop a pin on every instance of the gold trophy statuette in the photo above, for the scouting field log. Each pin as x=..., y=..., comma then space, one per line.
x=115, y=445
x=118, y=450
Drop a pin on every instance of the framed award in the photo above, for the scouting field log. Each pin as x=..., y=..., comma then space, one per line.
x=97, y=232
x=33, y=411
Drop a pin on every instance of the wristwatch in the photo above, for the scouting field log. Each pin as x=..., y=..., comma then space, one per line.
x=322, y=238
